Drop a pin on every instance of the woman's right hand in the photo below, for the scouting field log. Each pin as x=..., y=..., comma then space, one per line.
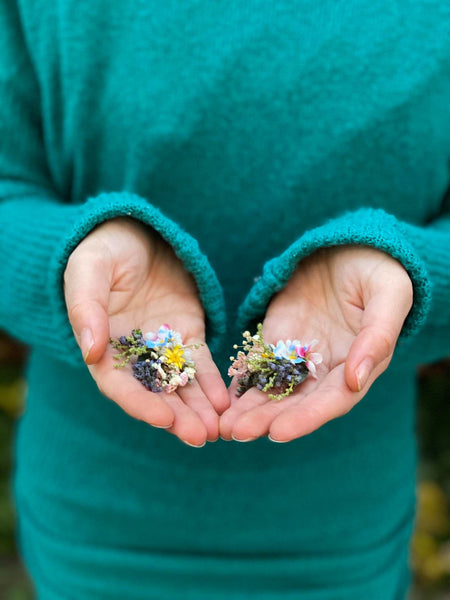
x=124, y=276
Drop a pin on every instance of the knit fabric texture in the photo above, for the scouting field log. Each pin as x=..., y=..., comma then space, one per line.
x=249, y=135
x=366, y=227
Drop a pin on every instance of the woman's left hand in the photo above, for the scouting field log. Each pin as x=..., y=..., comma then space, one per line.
x=354, y=301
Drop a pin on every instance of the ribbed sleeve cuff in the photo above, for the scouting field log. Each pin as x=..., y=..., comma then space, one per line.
x=368, y=227
x=42, y=236
x=432, y=244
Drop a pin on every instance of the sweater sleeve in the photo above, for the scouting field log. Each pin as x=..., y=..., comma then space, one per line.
x=424, y=251
x=39, y=229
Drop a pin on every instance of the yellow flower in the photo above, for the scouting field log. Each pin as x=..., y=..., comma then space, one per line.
x=175, y=356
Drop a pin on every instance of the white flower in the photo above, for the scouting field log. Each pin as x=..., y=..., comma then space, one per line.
x=175, y=380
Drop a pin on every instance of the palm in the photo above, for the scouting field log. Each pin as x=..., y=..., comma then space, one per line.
x=145, y=285
x=330, y=298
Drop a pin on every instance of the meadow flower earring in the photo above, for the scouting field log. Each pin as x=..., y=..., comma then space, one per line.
x=160, y=361
x=274, y=369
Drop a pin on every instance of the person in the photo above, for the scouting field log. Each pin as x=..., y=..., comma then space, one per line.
x=209, y=166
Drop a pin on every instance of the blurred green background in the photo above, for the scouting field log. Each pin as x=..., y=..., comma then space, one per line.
x=430, y=553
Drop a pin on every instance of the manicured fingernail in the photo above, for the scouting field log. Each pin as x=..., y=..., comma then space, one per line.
x=193, y=445
x=250, y=439
x=87, y=341
x=363, y=371
x=162, y=426
x=277, y=441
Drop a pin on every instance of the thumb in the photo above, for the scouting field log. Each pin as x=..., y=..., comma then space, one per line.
x=87, y=284
x=374, y=345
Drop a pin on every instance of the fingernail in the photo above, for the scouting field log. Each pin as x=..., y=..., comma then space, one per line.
x=193, y=445
x=250, y=439
x=277, y=441
x=87, y=341
x=363, y=371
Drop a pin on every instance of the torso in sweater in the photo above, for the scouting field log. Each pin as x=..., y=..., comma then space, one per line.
x=248, y=123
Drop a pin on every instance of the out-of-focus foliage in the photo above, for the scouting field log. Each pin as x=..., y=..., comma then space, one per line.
x=14, y=585
x=431, y=543
x=12, y=392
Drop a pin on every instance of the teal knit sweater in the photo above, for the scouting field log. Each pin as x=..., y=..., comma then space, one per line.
x=249, y=134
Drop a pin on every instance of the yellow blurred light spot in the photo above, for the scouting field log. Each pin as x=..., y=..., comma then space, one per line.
x=434, y=568
x=432, y=509
x=12, y=397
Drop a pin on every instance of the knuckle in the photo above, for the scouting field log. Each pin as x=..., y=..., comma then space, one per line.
x=317, y=414
x=75, y=312
x=382, y=341
x=385, y=342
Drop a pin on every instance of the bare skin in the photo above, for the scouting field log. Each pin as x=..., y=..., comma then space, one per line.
x=354, y=300
x=121, y=277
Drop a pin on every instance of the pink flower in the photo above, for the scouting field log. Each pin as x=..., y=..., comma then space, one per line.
x=300, y=350
x=239, y=366
x=184, y=378
x=312, y=358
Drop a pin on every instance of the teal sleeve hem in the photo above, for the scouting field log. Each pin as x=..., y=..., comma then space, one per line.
x=38, y=238
x=115, y=204
x=368, y=227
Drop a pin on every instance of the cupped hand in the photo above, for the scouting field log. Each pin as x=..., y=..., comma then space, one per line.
x=354, y=301
x=124, y=276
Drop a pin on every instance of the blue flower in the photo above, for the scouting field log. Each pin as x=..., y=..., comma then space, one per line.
x=288, y=350
x=164, y=337
x=280, y=350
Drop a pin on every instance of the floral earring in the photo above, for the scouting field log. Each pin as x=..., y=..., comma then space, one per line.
x=275, y=369
x=163, y=363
